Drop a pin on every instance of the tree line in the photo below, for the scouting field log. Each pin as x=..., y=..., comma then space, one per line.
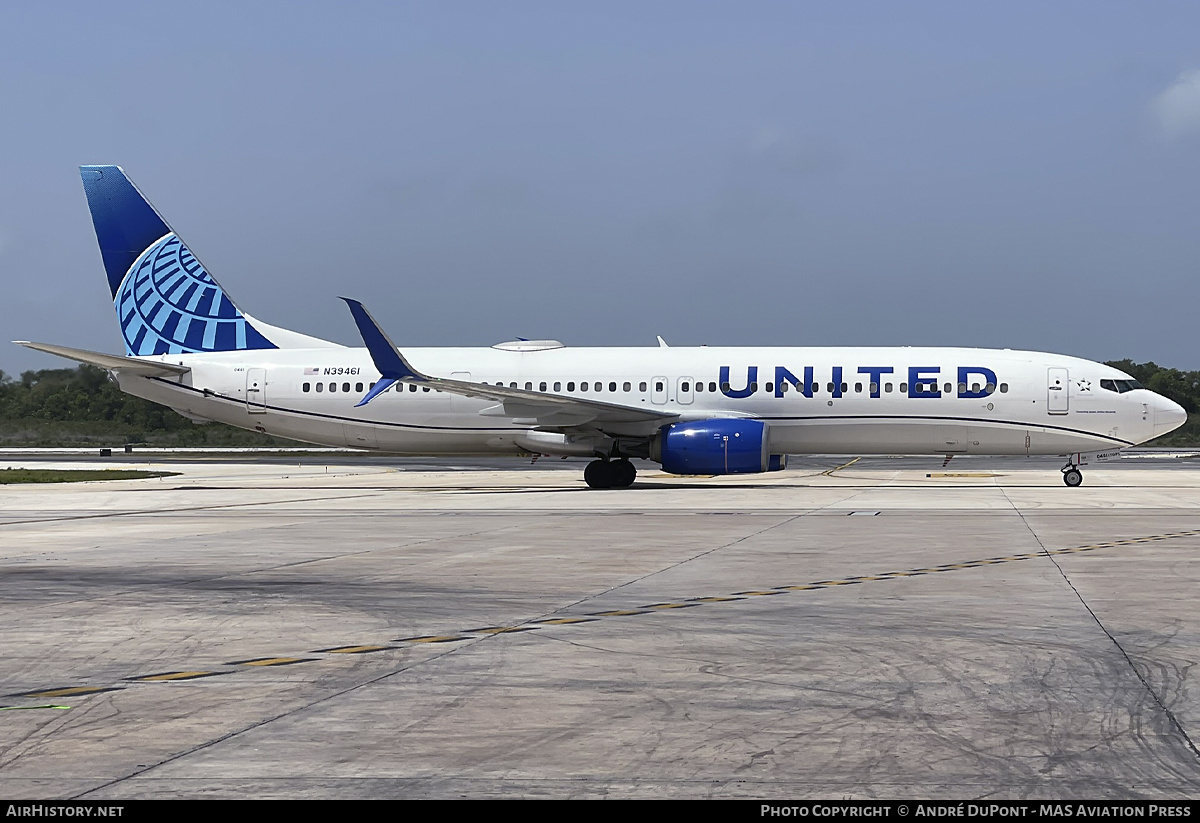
x=1181, y=386
x=81, y=405
x=65, y=407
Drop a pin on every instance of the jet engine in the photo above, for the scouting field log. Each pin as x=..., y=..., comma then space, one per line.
x=717, y=446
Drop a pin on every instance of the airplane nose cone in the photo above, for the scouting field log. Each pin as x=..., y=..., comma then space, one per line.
x=1168, y=415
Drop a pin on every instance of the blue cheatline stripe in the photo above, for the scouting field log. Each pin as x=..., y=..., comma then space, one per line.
x=934, y=418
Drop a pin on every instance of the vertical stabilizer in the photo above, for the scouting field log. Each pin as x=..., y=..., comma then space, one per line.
x=166, y=302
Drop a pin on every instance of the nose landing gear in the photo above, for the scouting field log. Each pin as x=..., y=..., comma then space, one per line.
x=1071, y=474
x=609, y=474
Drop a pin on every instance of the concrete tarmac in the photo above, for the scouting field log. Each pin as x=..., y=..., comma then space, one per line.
x=344, y=626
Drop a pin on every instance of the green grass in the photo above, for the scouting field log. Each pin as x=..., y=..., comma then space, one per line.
x=8, y=476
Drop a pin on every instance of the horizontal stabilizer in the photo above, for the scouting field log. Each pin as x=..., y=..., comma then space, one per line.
x=112, y=362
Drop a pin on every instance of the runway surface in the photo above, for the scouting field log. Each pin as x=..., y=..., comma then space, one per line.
x=333, y=625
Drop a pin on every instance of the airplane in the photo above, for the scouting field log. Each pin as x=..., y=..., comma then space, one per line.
x=694, y=410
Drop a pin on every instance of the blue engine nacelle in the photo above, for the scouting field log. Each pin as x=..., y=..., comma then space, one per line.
x=718, y=446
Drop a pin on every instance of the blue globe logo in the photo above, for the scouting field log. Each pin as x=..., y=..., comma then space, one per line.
x=168, y=304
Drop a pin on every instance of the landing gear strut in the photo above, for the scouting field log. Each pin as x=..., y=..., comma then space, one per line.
x=609, y=474
x=1071, y=474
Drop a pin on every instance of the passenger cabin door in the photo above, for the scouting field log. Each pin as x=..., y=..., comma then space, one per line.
x=256, y=391
x=658, y=390
x=1058, y=391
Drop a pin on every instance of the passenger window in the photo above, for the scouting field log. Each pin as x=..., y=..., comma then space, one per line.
x=412, y=387
x=903, y=388
x=642, y=386
x=784, y=386
x=320, y=387
x=874, y=388
x=975, y=388
x=843, y=388
x=305, y=387
x=542, y=386
x=358, y=386
x=685, y=387
x=830, y=388
x=1003, y=388
x=658, y=386
x=345, y=387
x=571, y=386
x=333, y=386
x=528, y=386
x=557, y=386
x=815, y=388
x=627, y=386
x=424, y=388
x=611, y=386
x=858, y=388
x=724, y=386
x=949, y=388
x=753, y=388
x=887, y=387
x=712, y=386
x=583, y=386
x=512, y=385
x=599, y=387
x=991, y=387
x=770, y=388
x=699, y=386
x=372, y=385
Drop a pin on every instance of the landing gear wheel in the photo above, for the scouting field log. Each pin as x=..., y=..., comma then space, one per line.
x=1072, y=477
x=599, y=475
x=624, y=474
x=606, y=474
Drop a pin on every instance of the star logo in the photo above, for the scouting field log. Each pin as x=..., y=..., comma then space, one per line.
x=1083, y=385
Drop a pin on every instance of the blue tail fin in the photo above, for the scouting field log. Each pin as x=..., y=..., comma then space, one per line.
x=166, y=302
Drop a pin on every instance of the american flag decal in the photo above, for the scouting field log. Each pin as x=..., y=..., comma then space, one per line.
x=307, y=372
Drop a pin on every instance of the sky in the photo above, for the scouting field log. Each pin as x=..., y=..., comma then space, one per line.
x=1009, y=175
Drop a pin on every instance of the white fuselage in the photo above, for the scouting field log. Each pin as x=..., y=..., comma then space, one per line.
x=866, y=400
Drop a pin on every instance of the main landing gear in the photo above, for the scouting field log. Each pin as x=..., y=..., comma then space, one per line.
x=609, y=474
x=1071, y=474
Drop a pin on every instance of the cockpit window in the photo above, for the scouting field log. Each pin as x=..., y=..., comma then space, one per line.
x=1121, y=386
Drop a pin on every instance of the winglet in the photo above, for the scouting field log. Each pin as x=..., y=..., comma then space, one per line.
x=662, y=344
x=377, y=389
x=388, y=359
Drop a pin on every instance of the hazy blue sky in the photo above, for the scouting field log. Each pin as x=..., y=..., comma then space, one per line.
x=1014, y=174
